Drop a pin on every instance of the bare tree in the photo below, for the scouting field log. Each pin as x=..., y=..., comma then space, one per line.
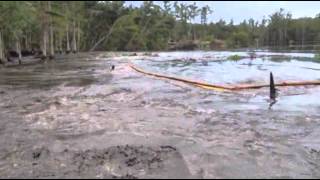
x=68, y=40
x=51, y=31
x=2, y=56
x=74, y=40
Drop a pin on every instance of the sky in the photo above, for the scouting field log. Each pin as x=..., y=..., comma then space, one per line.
x=241, y=10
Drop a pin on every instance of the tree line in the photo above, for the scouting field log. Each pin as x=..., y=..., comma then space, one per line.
x=278, y=31
x=51, y=27
x=45, y=27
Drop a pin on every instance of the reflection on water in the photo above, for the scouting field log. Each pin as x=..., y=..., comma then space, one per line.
x=76, y=72
x=63, y=116
x=233, y=72
x=285, y=67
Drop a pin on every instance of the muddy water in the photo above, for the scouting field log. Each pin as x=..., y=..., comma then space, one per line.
x=73, y=117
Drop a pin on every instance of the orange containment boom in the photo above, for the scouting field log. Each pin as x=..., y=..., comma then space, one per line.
x=222, y=87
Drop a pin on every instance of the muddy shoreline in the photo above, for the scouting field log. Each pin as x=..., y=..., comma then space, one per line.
x=74, y=118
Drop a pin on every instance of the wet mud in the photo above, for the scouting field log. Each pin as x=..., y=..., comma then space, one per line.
x=75, y=118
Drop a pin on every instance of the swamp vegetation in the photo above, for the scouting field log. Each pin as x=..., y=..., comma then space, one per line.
x=50, y=27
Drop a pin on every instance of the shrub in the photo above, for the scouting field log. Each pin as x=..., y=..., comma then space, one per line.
x=234, y=57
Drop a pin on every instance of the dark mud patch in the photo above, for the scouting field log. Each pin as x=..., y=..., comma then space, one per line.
x=81, y=82
x=134, y=162
x=128, y=162
x=64, y=137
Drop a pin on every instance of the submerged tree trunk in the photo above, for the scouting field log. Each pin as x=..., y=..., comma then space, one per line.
x=272, y=88
x=74, y=40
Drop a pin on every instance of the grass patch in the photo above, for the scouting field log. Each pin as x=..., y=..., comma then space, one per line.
x=234, y=57
x=317, y=57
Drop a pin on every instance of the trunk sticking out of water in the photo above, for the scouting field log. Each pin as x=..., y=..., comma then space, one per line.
x=272, y=88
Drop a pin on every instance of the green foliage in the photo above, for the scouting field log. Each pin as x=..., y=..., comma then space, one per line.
x=205, y=11
x=208, y=38
x=123, y=31
x=14, y=24
x=238, y=40
x=110, y=25
x=317, y=57
x=235, y=57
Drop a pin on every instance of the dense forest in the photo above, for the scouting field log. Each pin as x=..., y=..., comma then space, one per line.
x=51, y=27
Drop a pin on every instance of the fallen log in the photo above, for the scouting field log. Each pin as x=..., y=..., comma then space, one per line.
x=223, y=87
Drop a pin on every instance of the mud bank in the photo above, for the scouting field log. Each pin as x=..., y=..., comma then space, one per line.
x=74, y=118
x=130, y=162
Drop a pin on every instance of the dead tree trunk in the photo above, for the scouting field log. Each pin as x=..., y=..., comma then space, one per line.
x=68, y=41
x=26, y=41
x=57, y=43
x=60, y=44
x=51, y=33
x=74, y=40
x=272, y=88
x=79, y=36
x=2, y=56
x=29, y=41
x=51, y=44
x=44, y=43
x=45, y=38
x=18, y=49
